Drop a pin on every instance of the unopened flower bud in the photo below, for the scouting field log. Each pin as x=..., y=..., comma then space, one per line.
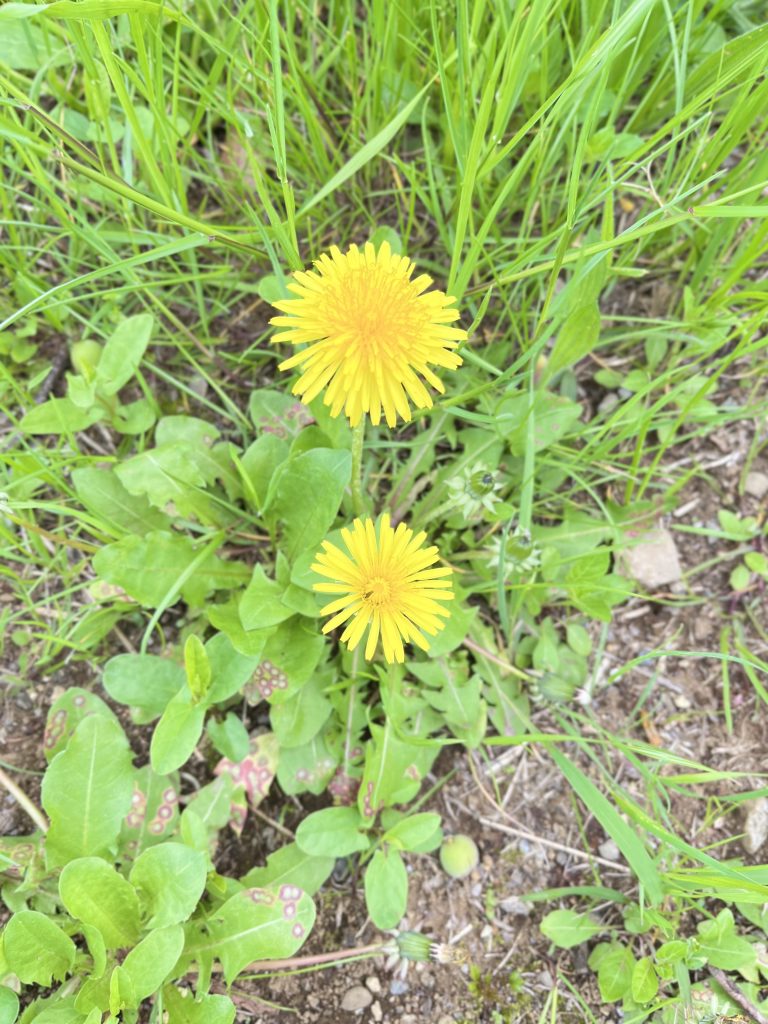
x=414, y=946
x=84, y=356
x=481, y=483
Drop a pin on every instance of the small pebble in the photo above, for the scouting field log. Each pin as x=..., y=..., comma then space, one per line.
x=376, y=1011
x=652, y=559
x=356, y=999
x=756, y=484
x=702, y=628
x=608, y=402
x=515, y=907
x=609, y=850
x=682, y=703
x=398, y=987
x=199, y=385
x=373, y=984
x=755, y=824
x=23, y=700
x=445, y=1019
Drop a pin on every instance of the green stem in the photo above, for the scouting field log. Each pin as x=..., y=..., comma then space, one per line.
x=358, y=435
x=24, y=801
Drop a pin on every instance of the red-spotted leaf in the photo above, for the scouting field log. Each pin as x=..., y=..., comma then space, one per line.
x=252, y=777
x=66, y=713
x=154, y=811
x=257, y=924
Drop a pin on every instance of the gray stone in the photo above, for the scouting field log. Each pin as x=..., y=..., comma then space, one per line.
x=609, y=850
x=755, y=824
x=653, y=560
x=608, y=402
x=373, y=984
x=376, y=1011
x=702, y=629
x=515, y=907
x=756, y=484
x=356, y=999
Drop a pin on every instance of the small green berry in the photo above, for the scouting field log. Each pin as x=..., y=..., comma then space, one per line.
x=458, y=856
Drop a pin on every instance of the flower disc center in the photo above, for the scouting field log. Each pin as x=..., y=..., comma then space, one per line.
x=376, y=309
x=377, y=591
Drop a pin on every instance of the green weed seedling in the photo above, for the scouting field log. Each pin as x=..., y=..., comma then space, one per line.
x=101, y=371
x=651, y=970
x=752, y=572
x=118, y=898
x=17, y=345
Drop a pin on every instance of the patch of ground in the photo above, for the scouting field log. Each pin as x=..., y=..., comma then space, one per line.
x=513, y=802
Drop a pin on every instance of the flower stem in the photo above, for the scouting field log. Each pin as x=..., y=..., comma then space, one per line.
x=338, y=955
x=24, y=801
x=358, y=435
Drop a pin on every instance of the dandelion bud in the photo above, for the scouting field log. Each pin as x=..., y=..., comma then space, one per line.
x=414, y=946
x=481, y=483
x=84, y=356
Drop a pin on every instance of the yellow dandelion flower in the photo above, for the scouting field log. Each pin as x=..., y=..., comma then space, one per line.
x=385, y=582
x=371, y=334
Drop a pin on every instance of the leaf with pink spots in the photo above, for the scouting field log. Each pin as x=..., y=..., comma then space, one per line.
x=297, y=720
x=256, y=924
x=275, y=412
x=290, y=657
x=266, y=680
x=290, y=865
x=154, y=813
x=66, y=713
x=20, y=854
x=309, y=768
x=345, y=784
x=252, y=777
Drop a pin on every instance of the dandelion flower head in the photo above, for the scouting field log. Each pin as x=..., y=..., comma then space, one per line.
x=371, y=330
x=385, y=582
